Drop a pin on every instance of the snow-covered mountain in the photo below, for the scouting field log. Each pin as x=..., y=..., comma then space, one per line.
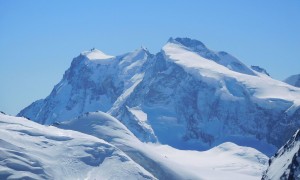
x=285, y=164
x=186, y=96
x=32, y=151
x=94, y=81
x=293, y=80
x=165, y=162
x=105, y=149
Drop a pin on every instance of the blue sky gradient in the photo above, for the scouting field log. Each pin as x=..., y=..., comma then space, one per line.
x=39, y=38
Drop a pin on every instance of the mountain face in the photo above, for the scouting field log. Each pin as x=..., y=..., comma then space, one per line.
x=32, y=151
x=285, y=164
x=186, y=96
x=94, y=81
x=293, y=80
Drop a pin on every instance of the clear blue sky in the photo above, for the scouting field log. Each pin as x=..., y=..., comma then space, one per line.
x=39, y=38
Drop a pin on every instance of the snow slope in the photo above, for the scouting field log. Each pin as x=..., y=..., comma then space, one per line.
x=200, y=66
x=293, y=80
x=95, y=54
x=32, y=151
x=221, y=58
x=186, y=96
x=224, y=161
x=285, y=163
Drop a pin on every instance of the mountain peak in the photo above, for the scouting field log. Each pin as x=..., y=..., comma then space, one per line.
x=260, y=70
x=171, y=40
x=293, y=80
x=188, y=42
x=144, y=48
x=195, y=46
x=95, y=54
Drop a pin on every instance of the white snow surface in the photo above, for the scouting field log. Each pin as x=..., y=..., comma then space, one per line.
x=98, y=57
x=221, y=57
x=263, y=87
x=138, y=113
x=32, y=151
x=226, y=161
x=282, y=161
x=95, y=54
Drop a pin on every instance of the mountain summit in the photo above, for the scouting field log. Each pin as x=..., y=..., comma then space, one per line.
x=186, y=96
x=221, y=57
x=293, y=80
x=95, y=54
